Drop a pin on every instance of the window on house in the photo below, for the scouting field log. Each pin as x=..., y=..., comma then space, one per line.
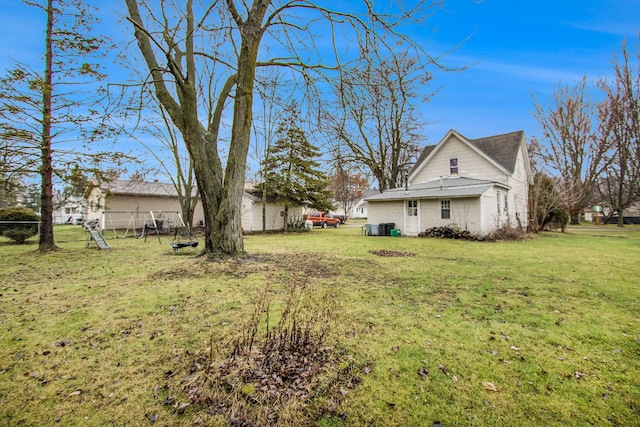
x=499, y=202
x=453, y=166
x=412, y=207
x=506, y=203
x=445, y=209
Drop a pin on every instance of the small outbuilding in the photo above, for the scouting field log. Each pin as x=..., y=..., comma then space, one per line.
x=122, y=204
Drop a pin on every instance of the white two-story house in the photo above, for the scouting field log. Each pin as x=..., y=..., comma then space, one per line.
x=471, y=184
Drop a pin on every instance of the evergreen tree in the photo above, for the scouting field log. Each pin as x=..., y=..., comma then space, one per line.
x=292, y=174
x=52, y=118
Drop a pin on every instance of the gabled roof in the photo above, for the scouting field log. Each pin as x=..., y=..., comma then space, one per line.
x=138, y=188
x=440, y=188
x=257, y=198
x=156, y=189
x=368, y=193
x=501, y=149
x=425, y=153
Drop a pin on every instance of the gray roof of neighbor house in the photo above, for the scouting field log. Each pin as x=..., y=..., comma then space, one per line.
x=367, y=193
x=503, y=149
x=258, y=197
x=439, y=188
x=138, y=188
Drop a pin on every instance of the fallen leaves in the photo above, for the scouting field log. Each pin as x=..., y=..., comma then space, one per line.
x=579, y=375
x=489, y=386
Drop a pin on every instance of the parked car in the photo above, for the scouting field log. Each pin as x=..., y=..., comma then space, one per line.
x=342, y=218
x=321, y=219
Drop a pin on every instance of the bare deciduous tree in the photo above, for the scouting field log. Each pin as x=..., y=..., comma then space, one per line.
x=347, y=185
x=174, y=44
x=574, y=149
x=546, y=199
x=174, y=162
x=620, y=121
x=376, y=124
x=265, y=123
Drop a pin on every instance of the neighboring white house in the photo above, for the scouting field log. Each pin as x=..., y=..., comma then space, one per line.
x=360, y=207
x=121, y=204
x=274, y=213
x=472, y=184
x=71, y=211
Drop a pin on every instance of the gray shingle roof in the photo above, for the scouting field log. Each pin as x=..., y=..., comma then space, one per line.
x=501, y=148
x=425, y=152
x=136, y=188
x=437, y=189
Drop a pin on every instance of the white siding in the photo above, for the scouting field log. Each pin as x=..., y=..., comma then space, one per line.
x=359, y=211
x=119, y=210
x=464, y=214
x=252, y=216
x=491, y=219
x=384, y=212
x=470, y=163
x=519, y=194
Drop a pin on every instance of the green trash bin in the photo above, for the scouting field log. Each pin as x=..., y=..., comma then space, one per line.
x=396, y=232
x=390, y=226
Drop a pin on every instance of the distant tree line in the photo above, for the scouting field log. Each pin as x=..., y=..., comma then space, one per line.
x=588, y=152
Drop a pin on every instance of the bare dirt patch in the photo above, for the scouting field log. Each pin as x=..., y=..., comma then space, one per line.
x=386, y=253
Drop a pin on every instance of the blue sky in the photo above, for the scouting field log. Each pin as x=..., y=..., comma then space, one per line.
x=517, y=48
x=513, y=48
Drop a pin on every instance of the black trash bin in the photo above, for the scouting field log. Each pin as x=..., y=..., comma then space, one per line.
x=390, y=226
x=386, y=227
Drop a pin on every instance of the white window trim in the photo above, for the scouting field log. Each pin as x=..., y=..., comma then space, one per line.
x=443, y=209
x=457, y=166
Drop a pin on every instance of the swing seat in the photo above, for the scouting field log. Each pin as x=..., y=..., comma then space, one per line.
x=177, y=246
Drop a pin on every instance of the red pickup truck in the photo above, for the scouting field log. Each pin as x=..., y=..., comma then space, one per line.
x=323, y=220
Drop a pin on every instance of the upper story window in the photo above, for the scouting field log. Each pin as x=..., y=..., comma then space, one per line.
x=412, y=207
x=453, y=166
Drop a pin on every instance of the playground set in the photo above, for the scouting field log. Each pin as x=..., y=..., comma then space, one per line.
x=140, y=225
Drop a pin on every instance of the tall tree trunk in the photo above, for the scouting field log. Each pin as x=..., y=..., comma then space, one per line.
x=46, y=241
x=221, y=201
x=264, y=207
x=227, y=227
x=285, y=225
x=575, y=218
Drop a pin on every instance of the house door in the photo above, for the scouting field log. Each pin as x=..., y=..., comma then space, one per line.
x=412, y=218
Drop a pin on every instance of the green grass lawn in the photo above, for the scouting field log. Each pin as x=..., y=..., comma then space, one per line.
x=541, y=332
